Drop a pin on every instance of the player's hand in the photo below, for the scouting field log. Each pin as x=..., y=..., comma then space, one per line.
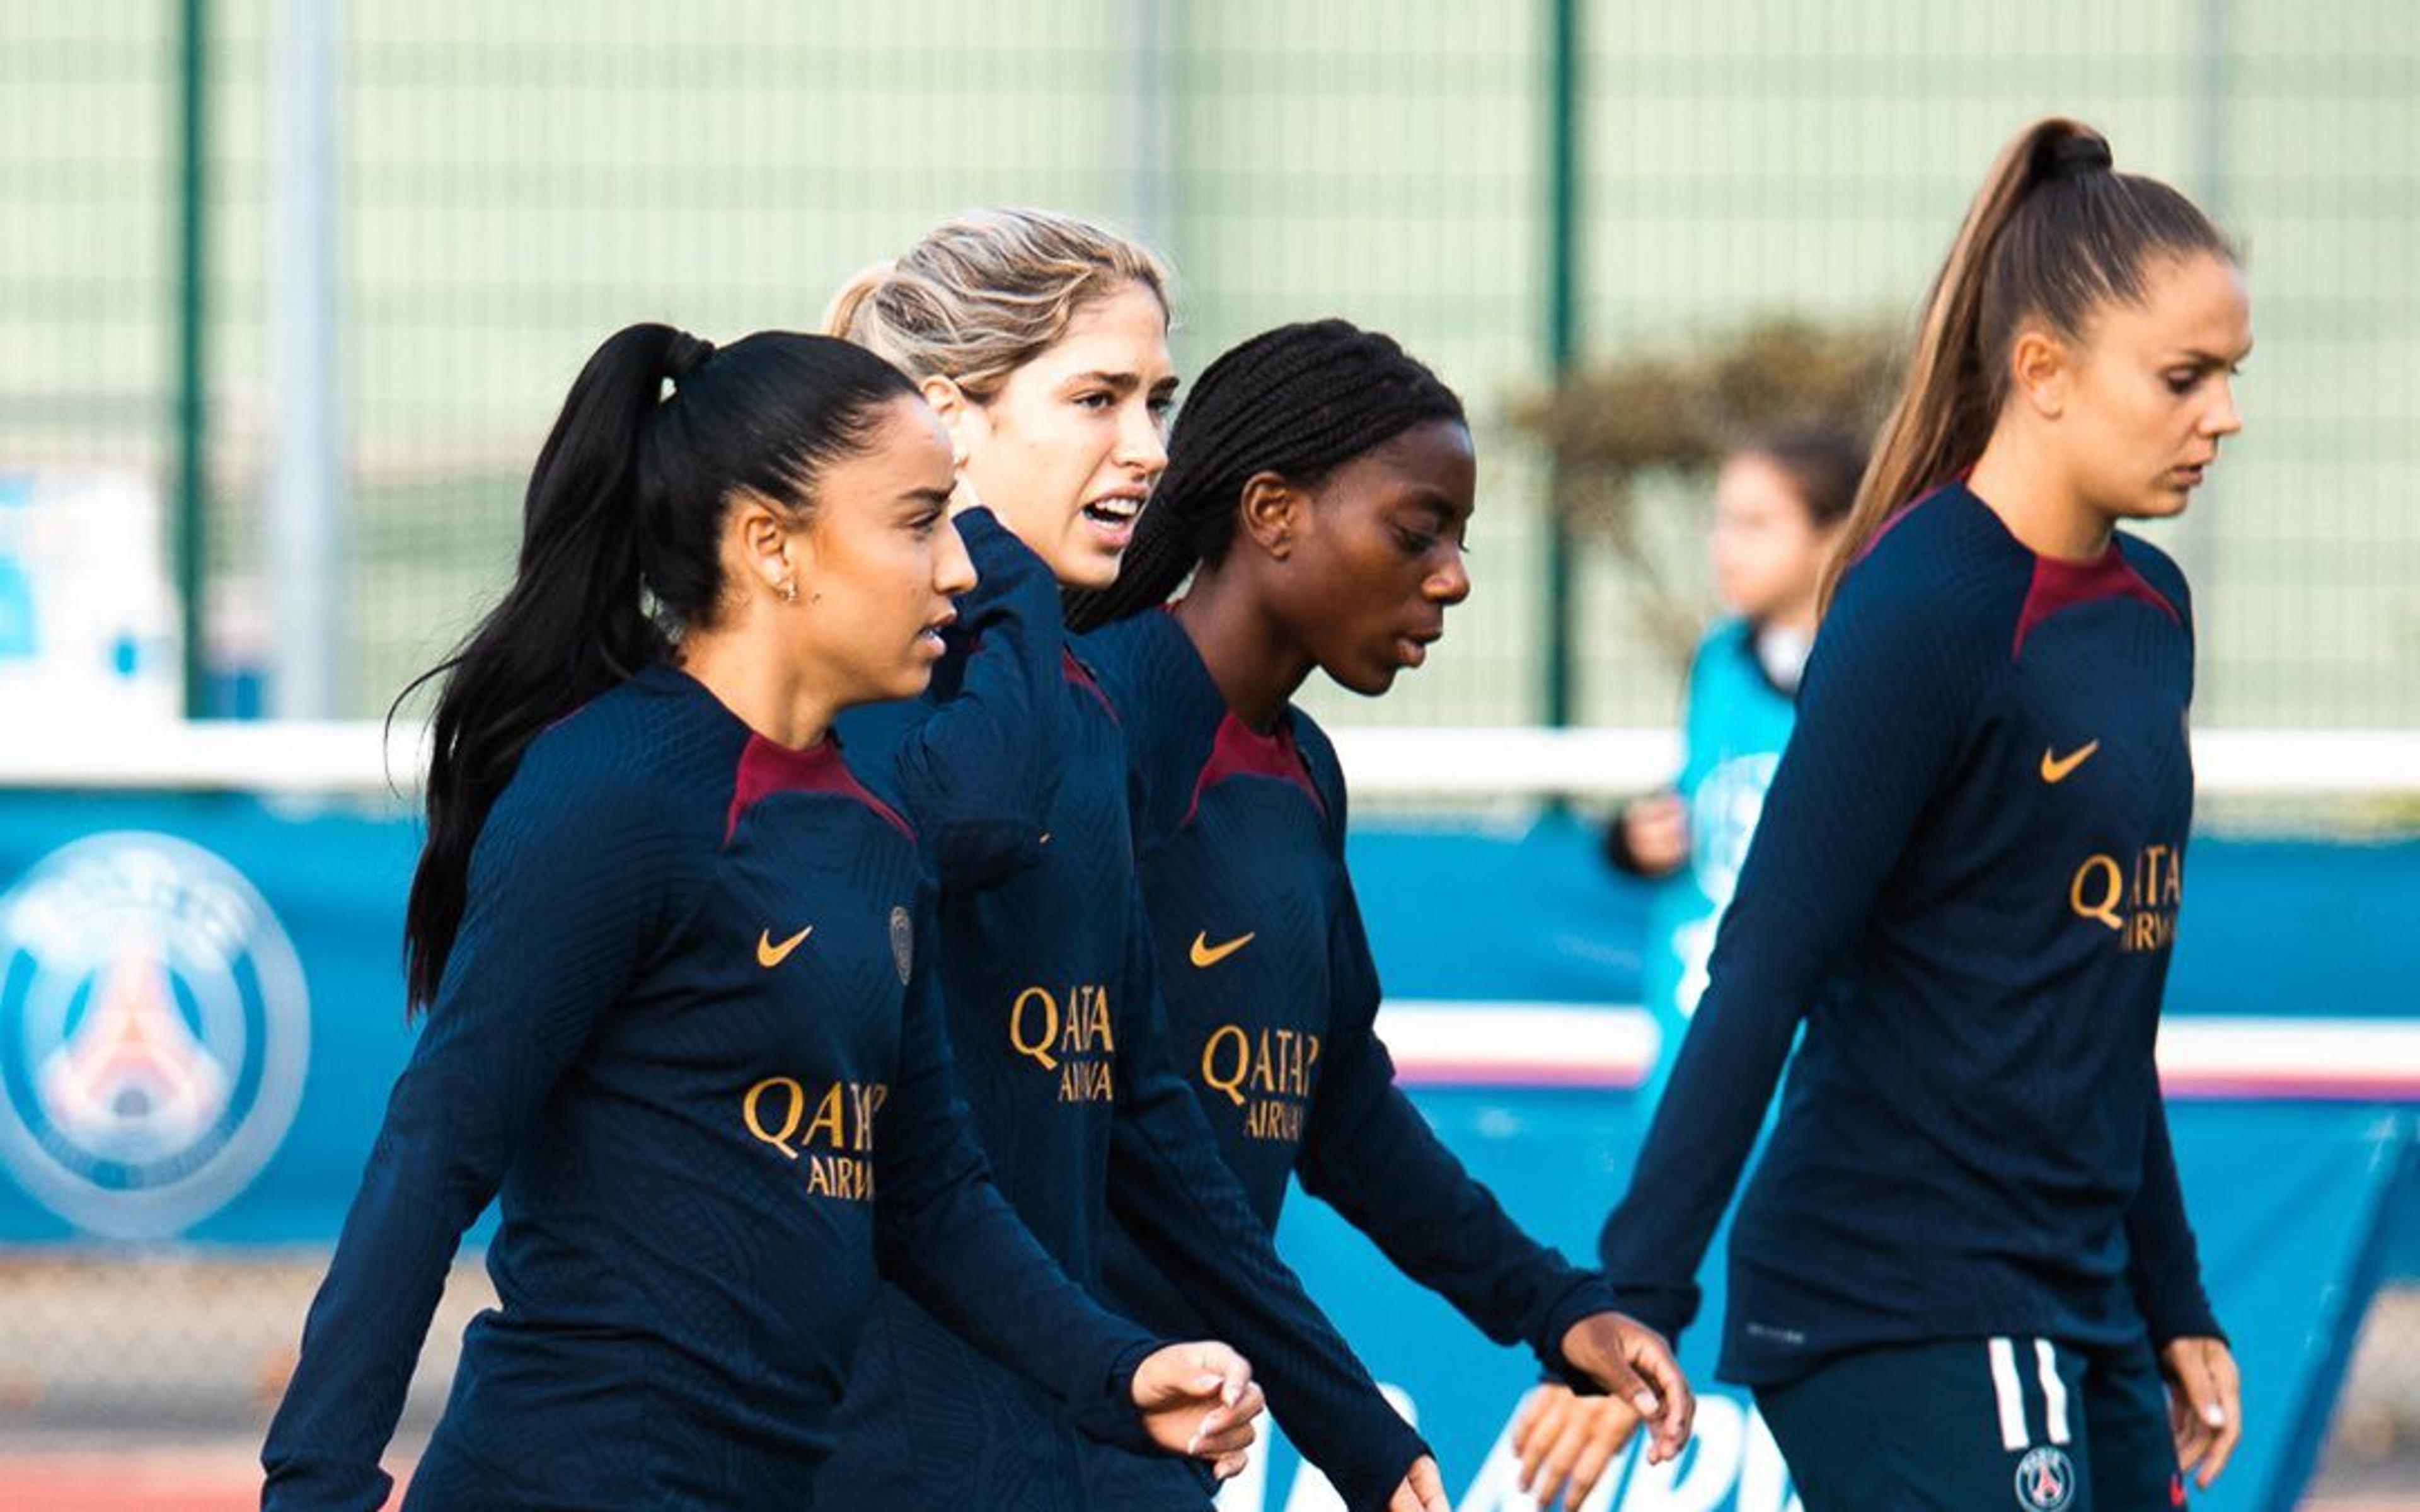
x=1631, y=1361
x=1655, y=829
x=1565, y=1442
x=1423, y=1489
x=2205, y=1405
x=1198, y=1400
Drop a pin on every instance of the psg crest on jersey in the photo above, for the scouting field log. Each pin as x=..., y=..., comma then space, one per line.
x=153, y=1033
x=2045, y=1480
x=903, y=944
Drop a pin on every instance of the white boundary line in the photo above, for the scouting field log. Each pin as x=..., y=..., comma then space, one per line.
x=1528, y=762
x=1533, y=1044
x=1512, y=764
x=220, y=756
x=1520, y=1044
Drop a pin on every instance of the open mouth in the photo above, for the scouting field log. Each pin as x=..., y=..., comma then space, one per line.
x=930, y=636
x=1114, y=512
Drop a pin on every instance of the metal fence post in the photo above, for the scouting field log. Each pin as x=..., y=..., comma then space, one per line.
x=1562, y=329
x=1154, y=30
x=189, y=415
x=2197, y=546
x=304, y=545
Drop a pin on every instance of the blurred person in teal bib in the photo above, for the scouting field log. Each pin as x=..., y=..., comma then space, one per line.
x=1779, y=503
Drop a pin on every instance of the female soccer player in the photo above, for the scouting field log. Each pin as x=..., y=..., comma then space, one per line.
x=1320, y=483
x=1963, y=1266
x=1042, y=342
x=678, y=985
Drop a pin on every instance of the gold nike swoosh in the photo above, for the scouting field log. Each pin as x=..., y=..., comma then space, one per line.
x=1206, y=954
x=769, y=955
x=2055, y=768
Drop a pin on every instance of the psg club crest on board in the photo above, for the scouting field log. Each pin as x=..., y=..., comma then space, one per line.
x=154, y=1030
x=2045, y=1480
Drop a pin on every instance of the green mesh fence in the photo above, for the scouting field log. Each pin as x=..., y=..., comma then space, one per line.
x=514, y=181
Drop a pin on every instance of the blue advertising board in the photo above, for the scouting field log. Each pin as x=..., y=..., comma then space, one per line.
x=201, y=1013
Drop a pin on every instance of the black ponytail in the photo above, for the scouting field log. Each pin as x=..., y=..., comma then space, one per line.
x=1300, y=401
x=620, y=550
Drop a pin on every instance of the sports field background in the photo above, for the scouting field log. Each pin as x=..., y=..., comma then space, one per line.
x=512, y=182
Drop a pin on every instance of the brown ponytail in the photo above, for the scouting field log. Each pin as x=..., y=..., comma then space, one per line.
x=2054, y=234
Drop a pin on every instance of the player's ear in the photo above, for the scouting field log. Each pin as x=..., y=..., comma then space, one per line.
x=1273, y=513
x=760, y=543
x=965, y=420
x=2041, y=367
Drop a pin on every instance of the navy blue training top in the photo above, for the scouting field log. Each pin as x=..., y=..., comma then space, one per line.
x=1015, y=768
x=689, y=1025
x=1965, y=884
x=1272, y=1001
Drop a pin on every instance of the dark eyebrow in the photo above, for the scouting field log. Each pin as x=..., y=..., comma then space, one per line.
x=1432, y=503
x=2202, y=358
x=936, y=497
x=1121, y=383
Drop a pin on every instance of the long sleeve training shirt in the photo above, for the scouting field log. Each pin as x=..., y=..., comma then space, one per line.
x=689, y=1027
x=1273, y=998
x=1964, y=885
x=1056, y=1023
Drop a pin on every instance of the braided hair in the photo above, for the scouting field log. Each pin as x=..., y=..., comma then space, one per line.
x=1300, y=401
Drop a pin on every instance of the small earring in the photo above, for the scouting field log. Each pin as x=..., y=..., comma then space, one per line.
x=790, y=590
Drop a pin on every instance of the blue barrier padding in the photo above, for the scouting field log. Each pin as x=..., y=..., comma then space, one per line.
x=167, y=916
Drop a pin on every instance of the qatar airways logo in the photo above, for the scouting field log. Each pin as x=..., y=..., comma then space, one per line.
x=2134, y=897
x=1267, y=1073
x=1069, y=1037
x=829, y=1134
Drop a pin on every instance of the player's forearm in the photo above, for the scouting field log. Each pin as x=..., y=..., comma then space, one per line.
x=2163, y=1263
x=1387, y=1172
x=1192, y=1220
x=963, y=1254
x=363, y=1336
x=1707, y=1123
x=947, y=1237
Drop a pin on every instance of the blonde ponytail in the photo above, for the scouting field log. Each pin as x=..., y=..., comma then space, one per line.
x=845, y=315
